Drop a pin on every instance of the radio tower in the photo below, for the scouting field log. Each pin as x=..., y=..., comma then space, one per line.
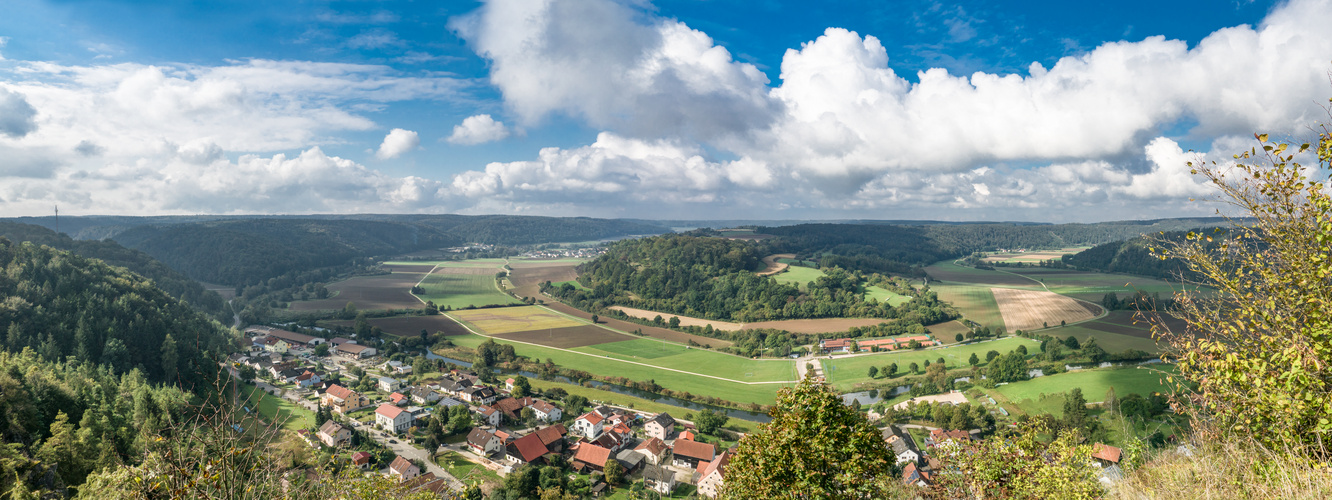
x=57, y=219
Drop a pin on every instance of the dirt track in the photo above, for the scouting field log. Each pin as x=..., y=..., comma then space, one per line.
x=774, y=267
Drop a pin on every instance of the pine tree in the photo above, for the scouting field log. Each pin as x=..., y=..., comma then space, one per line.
x=170, y=359
x=1075, y=409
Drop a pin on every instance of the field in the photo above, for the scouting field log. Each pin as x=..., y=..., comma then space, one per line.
x=953, y=273
x=512, y=319
x=976, y=303
x=1032, y=257
x=773, y=263
x=385, y=291
x=459, y=286
x=947, y=331
x=1031, y=309
x=1118, y=331
x=695, y=360
x=567, y=337
x=651, y=331
x=527, y=276
x=411, y=326
x=882, y=295
x=1094, y=384
x=650, y=369
x=817, y=325
x=844, y=372
x=274, y=409
x=798, y=276
x=684, y=320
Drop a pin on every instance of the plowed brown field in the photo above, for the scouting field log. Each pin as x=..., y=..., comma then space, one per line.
x=1031, y=309
x=568, y=337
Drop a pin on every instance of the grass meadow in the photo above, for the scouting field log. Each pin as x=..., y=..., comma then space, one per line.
x=798, y=275
x=274, y=408
x=975, y=302
x=461, y=290
x=695, y=360
x=845, y=372
x=1028, y=396
x=716, y=364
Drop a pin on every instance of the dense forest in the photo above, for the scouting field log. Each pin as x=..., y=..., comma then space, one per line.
x=1132, y=256
x=246, y=252
x=95, y=364
x=169, y=280
x=713, y=278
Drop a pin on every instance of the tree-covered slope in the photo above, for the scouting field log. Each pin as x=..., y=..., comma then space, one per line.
x=169, y=280
x=1133, y=256
x=249, y=251
x=67, y=307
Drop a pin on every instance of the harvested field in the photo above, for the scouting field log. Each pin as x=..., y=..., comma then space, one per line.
x=651, y=331
x=469, y=270
x=567, y=337
x=411, y=326
x=950, y=272
x=976, y=303
x=512, y=319
x=820, y=325
x=387, y=291
x=775, y=266
x=947, y=331
x=684, y=320
x=1030, y=309
x=527, y=279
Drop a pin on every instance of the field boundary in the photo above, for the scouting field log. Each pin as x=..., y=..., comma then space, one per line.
x=1104, y=312
x=714, y=377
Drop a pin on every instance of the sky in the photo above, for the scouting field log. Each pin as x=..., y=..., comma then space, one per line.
x=673, y=109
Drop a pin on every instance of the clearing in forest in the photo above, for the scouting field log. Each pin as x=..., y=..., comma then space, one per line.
x=1030, y=309
x=774, y=265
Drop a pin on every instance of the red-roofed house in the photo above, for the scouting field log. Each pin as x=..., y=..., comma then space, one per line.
x=546, y=412
x=590, y=456
x=552, y=437
x=1106, y=454
x=393, y=419
x=654, y=450
x=588, y=425
x=343, y=400
x=525, y=450
x=397, y=398
x=361, y=459
x=714, y=476
x=404, y=469
x=689, y=453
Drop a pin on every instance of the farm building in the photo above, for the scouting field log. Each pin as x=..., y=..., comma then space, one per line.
x=290, y=337
x=844, y=344
x=359, y=351
x=691, y=453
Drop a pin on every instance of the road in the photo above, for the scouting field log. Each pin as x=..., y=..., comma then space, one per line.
x=401, y=448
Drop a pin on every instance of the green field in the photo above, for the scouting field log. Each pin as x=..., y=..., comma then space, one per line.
x=274, y=409
x=1093, y=286
x=882, y=295
x=716, y=364
x=845, y=372
x=1111, y=342
x=695, y=360
x=614, y=398
x=1027, y=395
x=975, y=302
x=461, y=290
x=798, y=276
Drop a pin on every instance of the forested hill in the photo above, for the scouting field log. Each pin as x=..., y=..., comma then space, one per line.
x=243, y=252
x=64, y=306
x=1131, y=256
x=713, y=278
x=169, y=280
x=93, y=360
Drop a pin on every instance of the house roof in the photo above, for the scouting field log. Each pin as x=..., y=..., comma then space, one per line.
x=551, y=434
x=529, y=447
x=304, y=376
x=592, y=417
x=351, y=348
x=664, y=419
x=340, y=340
x=658, y=473
x=685, y=436
x=592, y=454
x=389, y=411
x=283, y=334
x=486, y=410
x=629, y=457
x=1106, y=452
x=401, y=465
x=331, y=428
x=397, y=396
x=479, y=437
x=718, y=465
x=361, y=457
x=509, y=406
x=654, y=446
x=340, y=392
x=694, y=450
x=450, y=402
x=422, y=391
x=542, y=406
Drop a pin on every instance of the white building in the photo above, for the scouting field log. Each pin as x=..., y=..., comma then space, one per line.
x=393, y=419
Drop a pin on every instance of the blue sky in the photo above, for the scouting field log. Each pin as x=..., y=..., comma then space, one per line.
x=672, y=109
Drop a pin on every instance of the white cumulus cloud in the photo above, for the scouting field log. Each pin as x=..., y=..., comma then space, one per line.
x=477, y=130
x=397, y=142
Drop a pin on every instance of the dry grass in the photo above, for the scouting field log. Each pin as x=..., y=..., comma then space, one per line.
x=774, y=267
x=512, y=319
x=684, y=320
x=1030, y=309
x=1215, y=469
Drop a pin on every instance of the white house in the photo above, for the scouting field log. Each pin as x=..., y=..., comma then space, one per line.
x=389, y=384
x=714, y=476
x=484, y=443
x=333, y=434
x=404, y=468
x=546, y=412
x=392, y=418
x=489, y=415
x=588, y=425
